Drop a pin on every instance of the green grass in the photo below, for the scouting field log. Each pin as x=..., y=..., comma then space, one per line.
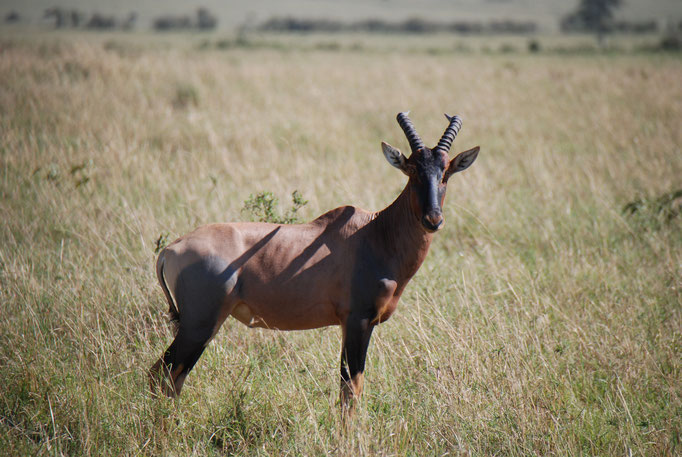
x=545, y=320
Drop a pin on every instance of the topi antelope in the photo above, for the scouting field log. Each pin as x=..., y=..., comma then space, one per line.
x=348, y=267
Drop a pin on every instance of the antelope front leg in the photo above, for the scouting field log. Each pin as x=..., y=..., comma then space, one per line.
x=356, y=334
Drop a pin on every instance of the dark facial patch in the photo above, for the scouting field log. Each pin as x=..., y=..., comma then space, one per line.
x=428, y=163
x=427, y=169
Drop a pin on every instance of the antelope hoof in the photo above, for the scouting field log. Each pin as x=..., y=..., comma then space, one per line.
x=160, y=381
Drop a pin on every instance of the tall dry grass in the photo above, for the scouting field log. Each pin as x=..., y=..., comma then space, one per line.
x=545, y=321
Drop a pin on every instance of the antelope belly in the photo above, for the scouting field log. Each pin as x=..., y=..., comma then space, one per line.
x=290, y=318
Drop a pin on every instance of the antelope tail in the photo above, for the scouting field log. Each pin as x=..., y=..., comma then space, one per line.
x=173, y=312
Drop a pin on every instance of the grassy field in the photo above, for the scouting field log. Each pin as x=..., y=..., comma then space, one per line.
x=545, y=320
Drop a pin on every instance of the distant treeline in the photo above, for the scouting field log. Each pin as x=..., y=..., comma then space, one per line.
x=412, y=25
x=72, y=18
x=574, y=24
x=203, y=20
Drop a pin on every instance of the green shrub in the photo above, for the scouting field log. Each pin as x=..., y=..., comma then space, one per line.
x=263, y=207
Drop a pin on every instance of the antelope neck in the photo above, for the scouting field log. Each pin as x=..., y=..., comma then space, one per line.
x=401, y=235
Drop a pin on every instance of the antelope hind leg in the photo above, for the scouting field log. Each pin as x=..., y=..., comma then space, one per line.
x=204, y=303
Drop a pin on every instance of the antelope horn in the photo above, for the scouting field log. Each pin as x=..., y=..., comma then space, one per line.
x=450, y=133
x=410, y=132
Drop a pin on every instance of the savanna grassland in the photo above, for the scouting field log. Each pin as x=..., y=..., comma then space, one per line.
x=545, y=321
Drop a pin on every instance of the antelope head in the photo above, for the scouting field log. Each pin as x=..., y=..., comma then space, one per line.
x=429, y=169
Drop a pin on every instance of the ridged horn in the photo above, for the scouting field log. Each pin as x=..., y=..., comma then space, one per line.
x=410, y=132
x=450, y=133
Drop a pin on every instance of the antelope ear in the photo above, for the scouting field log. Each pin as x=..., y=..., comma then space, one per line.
x=394, y=157
x=462, y=161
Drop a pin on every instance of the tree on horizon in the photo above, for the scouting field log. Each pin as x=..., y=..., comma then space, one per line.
x=592, y=16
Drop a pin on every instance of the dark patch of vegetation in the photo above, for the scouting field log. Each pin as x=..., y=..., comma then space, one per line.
x=596, y=16
x=63, y=18
x=123, y=49
x=80, y=173
x=185, y=95
x=511, y=27
x=506, y=48
x=290, y=24
x=571, y=25
x=237, y=428
x=653, y=212
x=164, y=23
x=410, y=26
x=12, y=17
x=161, y=242
x=75, y=71
x=204, y=20
x=102, y=22
x=533, y=46
x=634, y=27
x=328, y=46
x=244, y=43
x=462, y=47
x=576, y=49
x=671, y=42
x=263, y=207
x=72, y=18
x=591, y=16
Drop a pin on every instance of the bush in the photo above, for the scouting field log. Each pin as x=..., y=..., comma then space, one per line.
x=12, y=17
x=263, y=208
x=533, y=46
x=670, y=43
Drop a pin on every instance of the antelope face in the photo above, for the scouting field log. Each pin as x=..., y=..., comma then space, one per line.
x=429, y=170
x=428, y=186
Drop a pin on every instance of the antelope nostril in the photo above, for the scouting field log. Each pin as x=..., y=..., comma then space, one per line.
x=432, y=222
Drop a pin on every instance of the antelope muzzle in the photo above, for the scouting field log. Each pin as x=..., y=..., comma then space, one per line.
x=433, y=221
